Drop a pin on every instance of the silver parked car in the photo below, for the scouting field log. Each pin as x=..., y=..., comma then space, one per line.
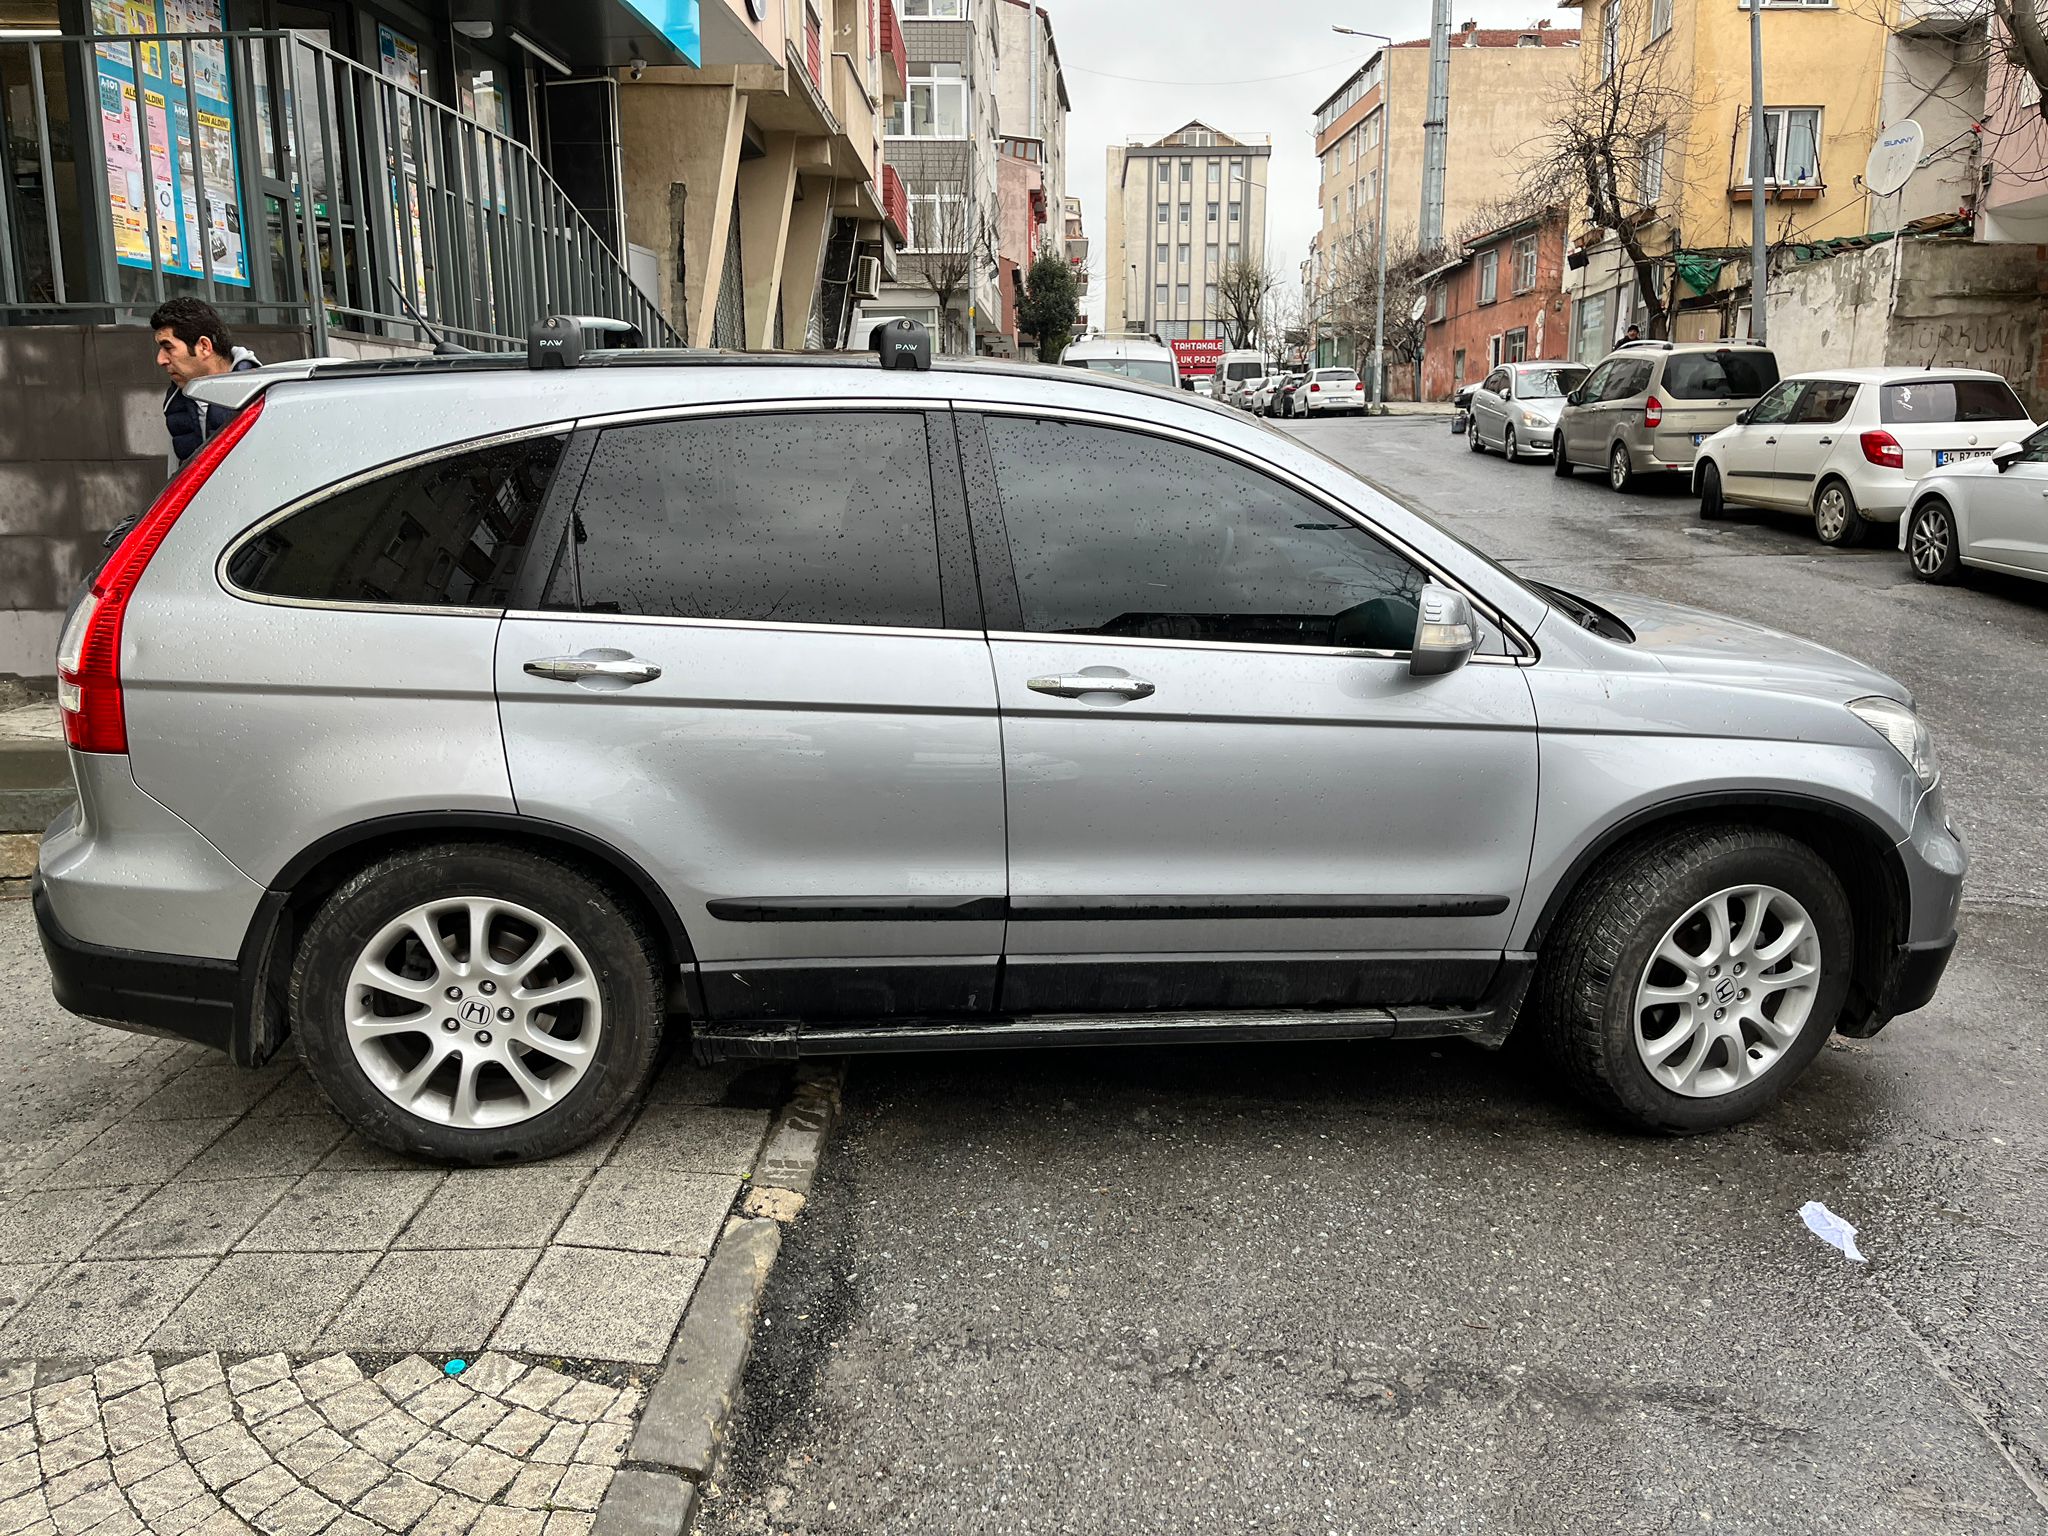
x=477, y=724
x=1515, y=407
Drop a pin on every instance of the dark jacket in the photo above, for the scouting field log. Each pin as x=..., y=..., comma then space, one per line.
x=190, y=424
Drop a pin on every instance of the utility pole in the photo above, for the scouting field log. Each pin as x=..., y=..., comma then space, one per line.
x=1435, y=123
x=1379, y=213
x=1759, y=170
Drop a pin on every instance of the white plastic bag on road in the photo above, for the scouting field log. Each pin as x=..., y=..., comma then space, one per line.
x=1830, y=1228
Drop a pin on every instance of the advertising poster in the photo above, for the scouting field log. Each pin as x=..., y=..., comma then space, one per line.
x=190, y=137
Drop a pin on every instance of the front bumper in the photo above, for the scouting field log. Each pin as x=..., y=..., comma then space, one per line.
x=185, y=996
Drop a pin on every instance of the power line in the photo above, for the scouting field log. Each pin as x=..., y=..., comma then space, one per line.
x=1316, y=69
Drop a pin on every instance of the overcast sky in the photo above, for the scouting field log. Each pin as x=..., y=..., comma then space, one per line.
x=1141, y=68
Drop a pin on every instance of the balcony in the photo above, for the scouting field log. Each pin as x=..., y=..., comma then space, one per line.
x=895, y=69
x=896, y=205
x=1939, y=18
x=855, y=110
x=346, y=203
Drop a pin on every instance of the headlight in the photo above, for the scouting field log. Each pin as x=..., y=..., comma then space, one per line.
x=1897, y=724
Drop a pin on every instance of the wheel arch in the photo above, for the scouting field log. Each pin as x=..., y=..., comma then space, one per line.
x=261, y=1020
x=1700, y=463
x=1865, y=860
x=1822, y=481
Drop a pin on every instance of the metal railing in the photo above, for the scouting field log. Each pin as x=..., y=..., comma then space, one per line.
x=285, y=184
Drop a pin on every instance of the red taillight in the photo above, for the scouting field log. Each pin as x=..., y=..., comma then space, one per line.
x=89, y=655
x=1315, y=389
x=1882, y=449
x=1653, y=412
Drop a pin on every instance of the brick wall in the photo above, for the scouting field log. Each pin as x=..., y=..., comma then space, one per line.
x=1469, y=326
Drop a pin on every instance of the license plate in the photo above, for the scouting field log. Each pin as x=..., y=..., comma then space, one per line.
x=1956, y=455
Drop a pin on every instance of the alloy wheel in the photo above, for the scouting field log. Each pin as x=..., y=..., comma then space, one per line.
x=472, y=1012
x=1929, y=543
x=1727, y=991
x=1618, y=469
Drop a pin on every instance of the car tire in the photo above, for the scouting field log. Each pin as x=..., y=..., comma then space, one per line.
x=1713, y=508
x=1472, y=437
x=1509, y=448
x=1602, y=977
x=1835, y=518
x=1932, y=548
x=1559, y=464
x=364, y=958
x=1621, y=469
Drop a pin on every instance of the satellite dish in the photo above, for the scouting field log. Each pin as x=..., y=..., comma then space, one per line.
x=1894, y=158
x=1419, y=307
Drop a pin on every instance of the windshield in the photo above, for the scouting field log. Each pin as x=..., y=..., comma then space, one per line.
x=1951, y=400
x=1551, y=383
x=1726, y=374
x=1144, y=369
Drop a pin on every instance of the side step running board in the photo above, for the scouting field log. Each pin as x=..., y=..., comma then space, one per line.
x=1486, y=1022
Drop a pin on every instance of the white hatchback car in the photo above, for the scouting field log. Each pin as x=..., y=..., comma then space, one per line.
x=1848, y=444
x=1989, y=512
x=1332, y=389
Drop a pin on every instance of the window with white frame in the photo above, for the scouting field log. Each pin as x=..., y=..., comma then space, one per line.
x=1489, y=278
x=938, y=221
x=1650, y=172
x=1236, y=252
x=1660, y=18
x=1162, y=255
x=1525, y=264
x=1515, y=346
x=1165, y=172
x=1183, y=253
x=934, y=10
x=1437, y=301
x=936, y=107
x=1180, y=295
x=1215, y=172
x=1236, y=212
x=1159, y=292
x=1187, y=172
x=1610, y=38
x=1791, y=147
x=1209, y=298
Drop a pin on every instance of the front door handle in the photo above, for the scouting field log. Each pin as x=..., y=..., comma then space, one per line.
x=616, y=668
x=1074, y=687
x=1769, y=440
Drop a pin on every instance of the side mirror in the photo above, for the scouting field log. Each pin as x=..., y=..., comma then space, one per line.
x=1446, y=634
x=1578, y=396
x=2005, y=455
x=1742, y=417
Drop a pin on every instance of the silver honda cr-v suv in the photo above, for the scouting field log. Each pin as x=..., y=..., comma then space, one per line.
x=475, y=724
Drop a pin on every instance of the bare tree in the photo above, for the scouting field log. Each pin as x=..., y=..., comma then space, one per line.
x=1351, y=294
x=950, y=242
x=1241, y=291
x=1613, y=138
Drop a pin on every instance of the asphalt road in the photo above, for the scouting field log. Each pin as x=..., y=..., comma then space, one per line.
x=1412, y=1288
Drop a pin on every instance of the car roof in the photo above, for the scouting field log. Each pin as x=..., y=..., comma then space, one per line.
x=1115, y=346
x=1896, y=375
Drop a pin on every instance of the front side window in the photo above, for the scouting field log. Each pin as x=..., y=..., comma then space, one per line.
x=448, y=532
x=1594, y=387
x=1116, y=533
x=936, y=106
x=1489, y=277
x=800, y=518
x=1946, y=400
x=1778, y=405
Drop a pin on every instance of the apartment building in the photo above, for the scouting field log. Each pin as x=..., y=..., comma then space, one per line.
x=1500, y=300
x=1074, y=241
x=1503, y=84
x=943, y=139
x=754, y=188
x=1031, y=169
x=1832, y=75
x=1180, y=209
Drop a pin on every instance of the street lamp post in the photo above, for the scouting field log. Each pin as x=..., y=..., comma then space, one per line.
x=1379, y=215
x=1759, y=170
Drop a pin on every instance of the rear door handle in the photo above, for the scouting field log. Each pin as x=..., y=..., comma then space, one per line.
x=1074, y=687
x=616, y=667
x=1826, y=440
x=1769, y=440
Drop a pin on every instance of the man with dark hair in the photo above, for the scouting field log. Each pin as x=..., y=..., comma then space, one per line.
x=1633, y=333
x=192, y=343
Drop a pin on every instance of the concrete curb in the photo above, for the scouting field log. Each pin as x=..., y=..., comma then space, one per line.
x=682, y=1429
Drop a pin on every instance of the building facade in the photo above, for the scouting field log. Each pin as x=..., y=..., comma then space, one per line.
x=944, y=141
x=1501, y=301
x=1031, y=111
x=1074, y=242
x=1834, y=77
x=753, y=186
x=1180, y=211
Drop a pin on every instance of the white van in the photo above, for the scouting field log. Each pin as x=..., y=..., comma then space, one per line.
x=1143, y=358
x=1233, y=371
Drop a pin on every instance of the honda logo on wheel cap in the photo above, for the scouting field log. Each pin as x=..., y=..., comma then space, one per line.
x=476, y=1011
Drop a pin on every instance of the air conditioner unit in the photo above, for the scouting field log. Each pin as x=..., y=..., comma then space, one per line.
x=867, y=278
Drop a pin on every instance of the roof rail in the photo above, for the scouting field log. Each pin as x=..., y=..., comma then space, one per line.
x=557, y=342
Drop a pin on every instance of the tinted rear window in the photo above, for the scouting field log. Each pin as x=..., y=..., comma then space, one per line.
x=1243, y=370
x=1336, y=376
x=1943, y=400
x=1733, y=374
x=445, y=533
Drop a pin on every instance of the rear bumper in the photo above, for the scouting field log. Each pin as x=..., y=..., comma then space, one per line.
x=185, y=996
